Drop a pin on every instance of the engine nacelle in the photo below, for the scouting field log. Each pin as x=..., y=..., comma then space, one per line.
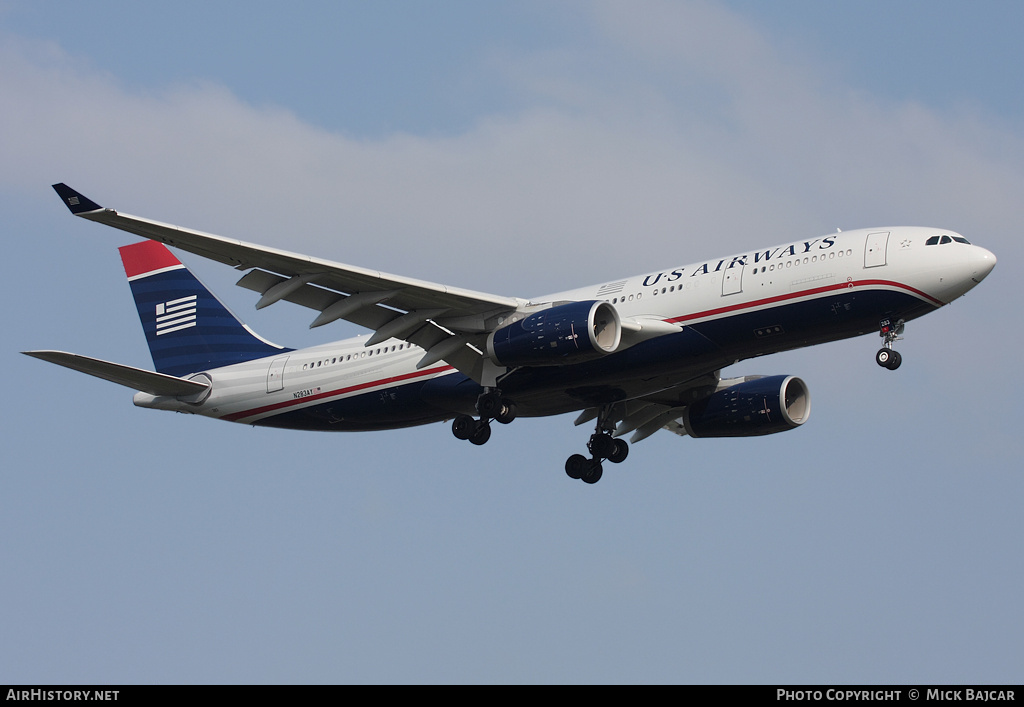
x=566, y=333
x=761, y=406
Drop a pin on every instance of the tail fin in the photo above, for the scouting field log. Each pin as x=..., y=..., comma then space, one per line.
x=187, y=328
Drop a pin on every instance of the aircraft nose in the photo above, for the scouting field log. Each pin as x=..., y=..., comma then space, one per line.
x=982, y=261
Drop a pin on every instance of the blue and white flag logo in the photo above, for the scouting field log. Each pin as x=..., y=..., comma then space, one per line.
x=175, y=315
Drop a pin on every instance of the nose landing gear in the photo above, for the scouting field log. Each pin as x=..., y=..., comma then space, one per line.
x=887, y=357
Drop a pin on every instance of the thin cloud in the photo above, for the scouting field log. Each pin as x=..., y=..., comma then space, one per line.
x=587, y=162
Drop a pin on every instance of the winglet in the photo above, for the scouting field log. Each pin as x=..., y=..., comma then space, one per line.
x=78, y=203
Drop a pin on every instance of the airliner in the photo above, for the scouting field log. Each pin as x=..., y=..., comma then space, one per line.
x=632, y=356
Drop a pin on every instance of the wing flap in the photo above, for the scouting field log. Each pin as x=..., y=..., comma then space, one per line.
x=331, y=305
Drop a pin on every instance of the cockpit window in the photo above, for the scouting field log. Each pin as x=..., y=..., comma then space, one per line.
x=943, y=240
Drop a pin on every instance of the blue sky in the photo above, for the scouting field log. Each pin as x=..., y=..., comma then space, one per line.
x=517, y=148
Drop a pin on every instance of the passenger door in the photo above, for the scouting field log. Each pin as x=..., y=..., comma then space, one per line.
x=874, y=249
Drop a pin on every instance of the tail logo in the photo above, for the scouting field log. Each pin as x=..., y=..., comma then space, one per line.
x=175, y=315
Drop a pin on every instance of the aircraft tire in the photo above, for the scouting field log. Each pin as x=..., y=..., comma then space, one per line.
x=481, y=434
x=489, y=404
x=506, y=412
x=620, y=450
x=463, y=426
x=601, y=445
x=593, y=473
x=576, y=465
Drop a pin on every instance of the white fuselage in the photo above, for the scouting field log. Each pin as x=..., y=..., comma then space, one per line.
x=842, y=268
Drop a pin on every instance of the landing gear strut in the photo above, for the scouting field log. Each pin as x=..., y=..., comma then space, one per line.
x=887, y=357
x=602, y=446
x=490, y=406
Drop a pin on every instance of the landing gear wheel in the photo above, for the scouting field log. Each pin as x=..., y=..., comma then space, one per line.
x=463, y=426
x=619, y=451
x=593, y=473
x=576, y=466
x=601, y=445
x=481, y=434
x=489, y=404
x=887, y=358
x=506, y=412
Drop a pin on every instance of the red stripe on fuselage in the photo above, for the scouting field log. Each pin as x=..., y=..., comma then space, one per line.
x=804, y=293
x=236, y=416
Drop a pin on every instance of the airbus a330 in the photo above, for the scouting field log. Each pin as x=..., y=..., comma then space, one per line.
x=632, y=356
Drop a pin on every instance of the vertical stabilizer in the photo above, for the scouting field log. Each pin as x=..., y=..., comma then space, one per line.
x=187, y=328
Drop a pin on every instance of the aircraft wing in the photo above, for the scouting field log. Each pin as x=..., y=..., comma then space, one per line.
x=447, y=322
x=648, y=414
x=134, y=378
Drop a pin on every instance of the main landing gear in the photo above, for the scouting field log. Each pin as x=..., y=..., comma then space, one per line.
x=887, y=357
x=602, y=446
x=490, y=406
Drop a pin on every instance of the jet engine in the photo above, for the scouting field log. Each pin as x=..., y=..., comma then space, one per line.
x=759, y=406
x=565, y=333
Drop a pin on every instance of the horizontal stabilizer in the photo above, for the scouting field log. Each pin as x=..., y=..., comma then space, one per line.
x=134, y=378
